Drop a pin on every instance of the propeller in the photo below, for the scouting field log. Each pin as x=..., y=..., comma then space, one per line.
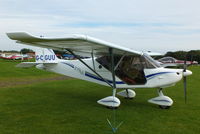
x=185, y=80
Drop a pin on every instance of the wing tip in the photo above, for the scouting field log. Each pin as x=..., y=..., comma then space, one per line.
x=18, y=35
x=25, y=36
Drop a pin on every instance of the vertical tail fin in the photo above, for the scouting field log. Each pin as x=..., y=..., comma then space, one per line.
x=45, y=55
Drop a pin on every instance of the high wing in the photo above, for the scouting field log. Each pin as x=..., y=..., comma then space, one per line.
x=76, y=43
x=153, y=53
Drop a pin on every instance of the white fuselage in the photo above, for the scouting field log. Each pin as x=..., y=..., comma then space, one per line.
x=156, y=77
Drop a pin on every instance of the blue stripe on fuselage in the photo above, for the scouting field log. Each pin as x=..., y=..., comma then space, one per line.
x=71, y=65
x=97, y=78
x=150, y=76
x=94, y=76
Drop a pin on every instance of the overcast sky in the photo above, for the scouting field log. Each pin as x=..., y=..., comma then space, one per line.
x=156, y=25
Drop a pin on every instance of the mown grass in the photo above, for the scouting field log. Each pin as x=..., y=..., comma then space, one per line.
x=9, y=72
x=70, y=107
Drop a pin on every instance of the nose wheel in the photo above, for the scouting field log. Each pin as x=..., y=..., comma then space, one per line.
x=127, y=94
x=164, y=102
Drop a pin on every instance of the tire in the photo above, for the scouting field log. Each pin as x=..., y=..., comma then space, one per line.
x=164, y=107
x=112, y=107
x=128, y=98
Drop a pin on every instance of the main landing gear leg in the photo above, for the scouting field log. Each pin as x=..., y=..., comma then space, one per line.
x=164, y=102
x=111, y=101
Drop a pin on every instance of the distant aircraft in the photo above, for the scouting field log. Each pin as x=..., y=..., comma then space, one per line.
x=170, y=62
x=110, y=65
x=16, y=57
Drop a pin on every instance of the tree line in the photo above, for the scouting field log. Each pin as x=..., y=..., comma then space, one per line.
x=22, y=51
x=192, y=55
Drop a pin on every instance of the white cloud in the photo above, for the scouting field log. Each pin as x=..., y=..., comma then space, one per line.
x=142, y=25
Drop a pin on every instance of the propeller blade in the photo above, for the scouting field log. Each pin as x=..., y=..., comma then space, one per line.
x=185, y=65
x=185, y=80
x=185, y=88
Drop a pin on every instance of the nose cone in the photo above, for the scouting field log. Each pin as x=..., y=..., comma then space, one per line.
x=187, y=73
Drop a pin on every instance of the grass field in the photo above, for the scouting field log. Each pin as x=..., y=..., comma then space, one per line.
x=69, y=106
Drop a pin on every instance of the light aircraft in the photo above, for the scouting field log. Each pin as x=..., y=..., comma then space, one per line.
x=110, y=65
x=16, y=57
x=172, y=62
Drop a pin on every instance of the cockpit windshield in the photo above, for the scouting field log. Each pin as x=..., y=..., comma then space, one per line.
x=150, y=59
x=129, y=68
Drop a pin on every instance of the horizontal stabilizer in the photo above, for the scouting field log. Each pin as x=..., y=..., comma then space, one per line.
x=29, y=64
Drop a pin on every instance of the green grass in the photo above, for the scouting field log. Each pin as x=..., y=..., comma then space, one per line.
x=8, y=71
x=69, y=106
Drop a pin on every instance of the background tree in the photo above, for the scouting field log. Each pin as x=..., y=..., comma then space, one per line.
x=193, y=55
x=25, y=50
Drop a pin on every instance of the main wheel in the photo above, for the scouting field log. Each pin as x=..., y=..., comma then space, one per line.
x=128, y=98
x=111, y=107
x=164, y=107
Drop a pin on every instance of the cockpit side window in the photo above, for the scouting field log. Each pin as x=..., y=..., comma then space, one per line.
x=130, y=69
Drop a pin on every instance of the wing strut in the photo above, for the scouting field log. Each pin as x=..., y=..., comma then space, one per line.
x=112, y=70
x=89, y=67
x=120, y=61
x=113, y=126
x=92, y=54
